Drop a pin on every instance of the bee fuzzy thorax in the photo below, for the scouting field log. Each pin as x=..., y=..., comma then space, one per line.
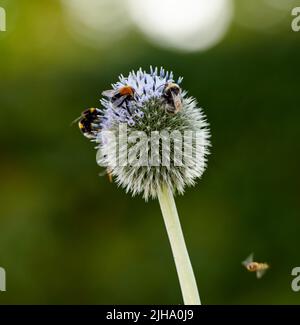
x=126, y=90
x=254, y=266
x=172, y=86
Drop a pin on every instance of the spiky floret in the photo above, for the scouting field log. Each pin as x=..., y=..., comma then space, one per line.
x=145, y=114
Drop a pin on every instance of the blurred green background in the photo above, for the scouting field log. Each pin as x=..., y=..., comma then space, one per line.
x=68, y=236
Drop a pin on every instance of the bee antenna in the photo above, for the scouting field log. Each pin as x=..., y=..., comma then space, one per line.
x=162, y=85
x=75, y=121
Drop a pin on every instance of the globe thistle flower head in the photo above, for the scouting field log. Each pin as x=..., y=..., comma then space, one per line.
x=146, y=85
x=151, y=134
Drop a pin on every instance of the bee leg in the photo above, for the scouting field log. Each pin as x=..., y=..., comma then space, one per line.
x=109, y=175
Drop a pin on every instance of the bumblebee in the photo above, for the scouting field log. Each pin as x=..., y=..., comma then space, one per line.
x=172, y=96
x=259, y=268
x=89, y=122
x=120, y=96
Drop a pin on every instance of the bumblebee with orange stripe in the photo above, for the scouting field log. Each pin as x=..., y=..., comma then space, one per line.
x=119, y=96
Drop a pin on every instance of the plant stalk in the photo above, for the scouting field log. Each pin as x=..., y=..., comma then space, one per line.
x=182, y=261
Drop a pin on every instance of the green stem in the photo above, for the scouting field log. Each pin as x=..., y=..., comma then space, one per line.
x=182, y=261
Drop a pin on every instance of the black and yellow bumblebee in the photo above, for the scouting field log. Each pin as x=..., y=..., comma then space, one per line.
x=173, y=98
x=89, y=125
x=89, y=122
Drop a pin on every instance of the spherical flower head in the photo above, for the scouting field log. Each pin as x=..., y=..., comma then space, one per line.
x=152, y=135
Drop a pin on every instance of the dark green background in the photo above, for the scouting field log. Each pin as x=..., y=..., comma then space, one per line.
x=69, y=236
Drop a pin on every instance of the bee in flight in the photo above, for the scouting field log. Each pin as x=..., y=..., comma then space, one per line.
x=120, y=96
x=89, y=121
x=173, y=98
x=251, y=266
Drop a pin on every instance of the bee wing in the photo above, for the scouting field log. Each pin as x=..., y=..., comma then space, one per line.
x=260, y=273
x=108, y=93
x=103, y=173
x=177, y=102
x=119, y=101
x=248, y=260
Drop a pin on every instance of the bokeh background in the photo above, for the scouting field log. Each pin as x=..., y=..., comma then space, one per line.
x=68, y=236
